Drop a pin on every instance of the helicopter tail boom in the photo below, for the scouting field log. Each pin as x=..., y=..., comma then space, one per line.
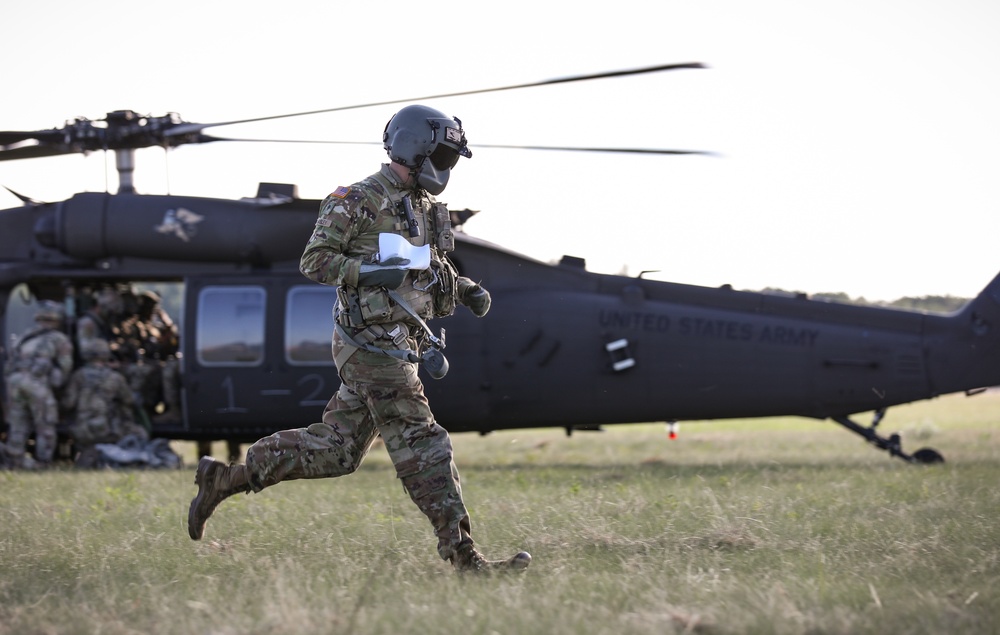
x=963, y=349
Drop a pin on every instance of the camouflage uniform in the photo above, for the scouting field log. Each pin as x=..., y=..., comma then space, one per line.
x=380, y=394
x=379, y=336
x=100, y=401
x=98, y=322
x=40, y=364
x=137, y=349
x=160, y=344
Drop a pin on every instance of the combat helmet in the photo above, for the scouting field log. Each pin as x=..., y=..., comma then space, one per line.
x=428, y=142
x=49, y=311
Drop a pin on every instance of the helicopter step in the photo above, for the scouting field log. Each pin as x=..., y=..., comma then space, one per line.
x=892, y=444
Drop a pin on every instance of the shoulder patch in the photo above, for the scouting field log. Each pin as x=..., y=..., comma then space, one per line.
x=341, y=192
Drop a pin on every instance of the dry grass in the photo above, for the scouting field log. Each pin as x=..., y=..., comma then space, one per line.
x=774, y=526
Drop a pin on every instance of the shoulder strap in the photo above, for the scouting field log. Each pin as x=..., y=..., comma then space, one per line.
x=30, y=336
x=403, y=304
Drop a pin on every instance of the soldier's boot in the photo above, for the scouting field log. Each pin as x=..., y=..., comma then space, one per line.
x=468, y=558
x=216, y=482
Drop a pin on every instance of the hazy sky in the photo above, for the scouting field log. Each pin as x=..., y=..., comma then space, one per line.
x=856, y=140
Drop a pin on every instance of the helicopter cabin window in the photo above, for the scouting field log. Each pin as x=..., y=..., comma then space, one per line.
x=309, y=325
x=231, y=326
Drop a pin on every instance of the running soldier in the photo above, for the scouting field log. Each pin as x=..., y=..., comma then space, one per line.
x=384, y=243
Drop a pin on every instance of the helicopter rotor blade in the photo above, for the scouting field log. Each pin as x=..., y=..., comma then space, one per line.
x=14, y=144
x=594, y=149
x=120, y=130
x=193, y=127
x=473, y=146
x=9, y=137
x=128, y=130
x=27, y=200
x=35, y=151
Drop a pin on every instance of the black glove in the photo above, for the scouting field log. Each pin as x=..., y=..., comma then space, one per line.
x=473, y=296
x=385, y=274
x=478, y=301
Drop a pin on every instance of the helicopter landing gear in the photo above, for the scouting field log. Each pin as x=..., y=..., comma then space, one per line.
x=892, y=444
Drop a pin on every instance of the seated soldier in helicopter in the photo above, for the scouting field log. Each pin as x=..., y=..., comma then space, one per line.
x=100, y=403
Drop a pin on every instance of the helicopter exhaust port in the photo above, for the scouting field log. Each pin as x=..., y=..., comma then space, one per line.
x=621, y=356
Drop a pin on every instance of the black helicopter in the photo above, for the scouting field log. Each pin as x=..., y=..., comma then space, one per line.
x=561, y=347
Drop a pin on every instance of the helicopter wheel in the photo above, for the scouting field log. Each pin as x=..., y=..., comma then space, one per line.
x=927, y=456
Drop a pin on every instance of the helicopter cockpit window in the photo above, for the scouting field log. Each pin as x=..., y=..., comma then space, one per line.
x=231, y=326
x=309, y=325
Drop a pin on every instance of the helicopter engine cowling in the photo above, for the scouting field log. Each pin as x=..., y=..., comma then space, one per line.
x=92, y=226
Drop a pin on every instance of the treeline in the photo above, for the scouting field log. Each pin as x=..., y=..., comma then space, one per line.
x=929, y=303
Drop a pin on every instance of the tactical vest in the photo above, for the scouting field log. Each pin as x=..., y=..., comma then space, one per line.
x=429, y=292
x=35, y=353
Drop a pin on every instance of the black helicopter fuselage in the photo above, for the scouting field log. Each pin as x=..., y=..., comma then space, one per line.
x=561, y=346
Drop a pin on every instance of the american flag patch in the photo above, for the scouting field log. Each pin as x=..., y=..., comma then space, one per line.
x=340, y=192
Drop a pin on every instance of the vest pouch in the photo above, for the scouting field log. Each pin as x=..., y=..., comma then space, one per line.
x=444, y=237
x=348, y=306
x=421, y=300
x=444, y=290
x=376, y=307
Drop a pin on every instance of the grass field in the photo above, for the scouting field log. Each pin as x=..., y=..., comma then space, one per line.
x=769, y=526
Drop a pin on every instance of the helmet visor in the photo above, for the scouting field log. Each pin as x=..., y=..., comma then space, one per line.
x=444, y=157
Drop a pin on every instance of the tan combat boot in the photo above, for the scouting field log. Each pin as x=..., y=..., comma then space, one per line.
x=467, y=558
x=216, y=482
